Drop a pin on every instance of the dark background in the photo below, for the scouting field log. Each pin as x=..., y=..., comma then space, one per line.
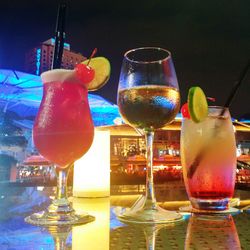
x=209, y=40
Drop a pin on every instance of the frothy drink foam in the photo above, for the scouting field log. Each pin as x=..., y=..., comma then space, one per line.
x=60, y=75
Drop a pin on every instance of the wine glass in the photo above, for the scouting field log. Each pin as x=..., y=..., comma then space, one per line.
x=148, y=99
x=63, y=132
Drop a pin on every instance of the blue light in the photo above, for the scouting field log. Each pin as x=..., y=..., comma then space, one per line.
x=38, y=58
x=245, y=120
x=23, y=96
x=66, y=45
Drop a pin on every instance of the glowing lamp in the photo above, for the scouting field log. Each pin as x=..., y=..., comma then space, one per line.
x=92, y=171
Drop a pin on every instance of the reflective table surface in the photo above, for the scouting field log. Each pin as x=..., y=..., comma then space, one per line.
x=230, y=231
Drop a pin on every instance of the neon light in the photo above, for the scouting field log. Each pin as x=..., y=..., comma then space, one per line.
x=66, y=45
x=38, y=58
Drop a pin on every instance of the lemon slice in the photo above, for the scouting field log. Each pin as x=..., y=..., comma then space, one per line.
x=197, y=104
x=102, y=68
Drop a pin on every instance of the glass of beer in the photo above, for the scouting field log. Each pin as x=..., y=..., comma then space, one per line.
x=148, y=99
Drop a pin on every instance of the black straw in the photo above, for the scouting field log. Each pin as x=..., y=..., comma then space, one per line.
x=236, y=87
x=59, y=36
x=193, y=167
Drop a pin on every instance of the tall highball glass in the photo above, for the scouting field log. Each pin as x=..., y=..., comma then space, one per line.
x=208, y=156
x=148, y=99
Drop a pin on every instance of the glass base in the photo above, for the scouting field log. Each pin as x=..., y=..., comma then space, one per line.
x=142, y=213
x=45, y=218
x=59, y=213
x=190, y=209
x=210, y=204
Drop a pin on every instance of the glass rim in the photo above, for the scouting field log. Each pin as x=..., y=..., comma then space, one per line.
x=168, y=56
x=225, y=113
x=210, y=113
x=217, y=107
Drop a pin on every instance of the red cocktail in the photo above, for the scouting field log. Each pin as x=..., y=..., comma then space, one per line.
x=63, y=132
x=63, y=129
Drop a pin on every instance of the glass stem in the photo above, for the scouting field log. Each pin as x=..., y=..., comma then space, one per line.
x=150, y=201
x=61, y=203
x=60, y=244
x=62, y=177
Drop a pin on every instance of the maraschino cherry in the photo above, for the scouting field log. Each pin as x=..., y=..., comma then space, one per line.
x=184, y=111
x=84, y=72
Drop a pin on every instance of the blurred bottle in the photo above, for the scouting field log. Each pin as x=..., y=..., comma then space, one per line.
x=211, y=232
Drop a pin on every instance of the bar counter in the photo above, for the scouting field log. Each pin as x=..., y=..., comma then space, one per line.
x=231, y=231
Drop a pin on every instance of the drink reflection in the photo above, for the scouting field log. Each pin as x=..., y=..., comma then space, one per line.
x=150, y=233
x=211, y=232
x=90, y=236
x=60, y=236
x=94, y=235
x=134, y=237
x=150, y=237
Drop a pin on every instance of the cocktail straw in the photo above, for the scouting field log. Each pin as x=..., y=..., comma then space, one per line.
x=236, y=86
x=192, y=169
x=59, y=36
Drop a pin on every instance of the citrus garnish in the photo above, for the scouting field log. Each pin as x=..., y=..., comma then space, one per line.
x=197, y=104
x=101, y=66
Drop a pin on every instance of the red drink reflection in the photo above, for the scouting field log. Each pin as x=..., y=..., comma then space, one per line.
x=63, y=129
x=212, y=232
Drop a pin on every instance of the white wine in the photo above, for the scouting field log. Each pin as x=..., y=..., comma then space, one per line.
x=149, y=107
